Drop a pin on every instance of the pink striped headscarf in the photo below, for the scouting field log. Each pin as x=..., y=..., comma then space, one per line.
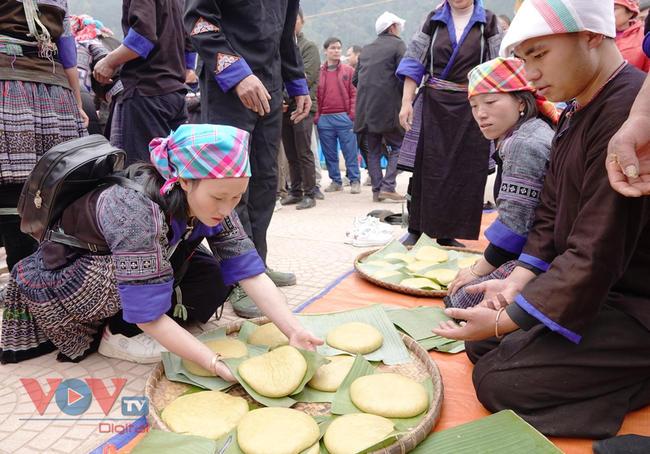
x=198, y=152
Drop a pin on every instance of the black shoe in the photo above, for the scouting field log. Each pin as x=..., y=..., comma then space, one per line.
x=318, y=195
x=449, y=242
x=306, y=203
x=411, y=239
x=291, y=200
x=488, y=206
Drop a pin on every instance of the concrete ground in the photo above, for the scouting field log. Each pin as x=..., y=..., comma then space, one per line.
x=308, y=243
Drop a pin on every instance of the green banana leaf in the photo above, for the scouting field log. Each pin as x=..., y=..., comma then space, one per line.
x=501, y=433
x=159, y=441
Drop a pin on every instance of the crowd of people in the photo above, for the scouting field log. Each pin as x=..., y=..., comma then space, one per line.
x=555, y=314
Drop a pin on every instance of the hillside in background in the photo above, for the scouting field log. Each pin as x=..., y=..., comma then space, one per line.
x=353, y=21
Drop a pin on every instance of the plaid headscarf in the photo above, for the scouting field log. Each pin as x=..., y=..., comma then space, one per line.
x=537, y=18
x=505, y=75
x=198, y=152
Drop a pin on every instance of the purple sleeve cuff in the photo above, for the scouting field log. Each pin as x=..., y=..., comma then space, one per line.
x=233, y=74
x=646, y=45
x=138, y=43
x=242, y=267
x=145, y=303
x=501, y=236
x=532, y=310
x=534, y=261
x=190, y=60
x=410, y=68
x=296, y=87
x=67, y=51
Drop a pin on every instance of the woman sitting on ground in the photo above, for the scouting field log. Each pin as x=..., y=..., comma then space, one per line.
x=60, y=298
x=509, y=112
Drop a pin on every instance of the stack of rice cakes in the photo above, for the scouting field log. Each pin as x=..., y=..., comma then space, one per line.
x=278, y=373
x=426, y=266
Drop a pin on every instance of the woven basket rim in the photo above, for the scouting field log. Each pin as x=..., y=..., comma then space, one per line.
x=402, y=288
x=403, y=445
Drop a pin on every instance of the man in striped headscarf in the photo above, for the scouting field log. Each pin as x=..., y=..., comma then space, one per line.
x=575, y=308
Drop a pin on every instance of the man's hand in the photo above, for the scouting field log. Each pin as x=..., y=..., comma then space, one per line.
x=303, y=105
x=190, y=76
x=628, y=157
x=104, y=71
x=479, y=325
x=253, y=95
x=305, y=340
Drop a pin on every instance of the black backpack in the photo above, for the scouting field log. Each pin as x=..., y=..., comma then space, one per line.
x=64, y=174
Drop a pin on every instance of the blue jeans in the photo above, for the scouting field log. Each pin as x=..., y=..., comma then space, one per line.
x=333, y=127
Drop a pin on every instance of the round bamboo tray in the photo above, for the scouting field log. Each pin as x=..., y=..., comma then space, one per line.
x=402, y=288
x=161, y=392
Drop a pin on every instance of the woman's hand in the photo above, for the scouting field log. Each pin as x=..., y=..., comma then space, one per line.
x=406, y=116
x=224, y=372
x=305, y=340
x=463, y=278
x=498, y=292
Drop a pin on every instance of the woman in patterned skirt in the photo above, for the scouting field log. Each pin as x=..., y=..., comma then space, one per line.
x=60, y=298
x=39, y=101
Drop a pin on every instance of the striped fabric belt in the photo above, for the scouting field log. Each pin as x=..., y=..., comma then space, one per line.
x=17, y=47
x=441, y=84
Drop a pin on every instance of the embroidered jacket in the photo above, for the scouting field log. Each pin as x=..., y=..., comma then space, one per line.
x=525, y=155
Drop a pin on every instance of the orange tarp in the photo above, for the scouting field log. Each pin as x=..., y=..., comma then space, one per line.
x=460, y=404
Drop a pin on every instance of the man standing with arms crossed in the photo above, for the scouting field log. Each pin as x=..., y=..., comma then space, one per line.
x=249, y=51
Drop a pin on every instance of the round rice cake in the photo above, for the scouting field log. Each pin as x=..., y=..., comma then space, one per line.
x=443, y=276
x=209, y=414
x=329, y=377
x=421, y=283
x=268, y=334
x=382, y=274
x=225, y=347
x=389, y=395
x=274, y=374
x=276, y=430
x=355, y=337
x=355, y=432
x=431, y=254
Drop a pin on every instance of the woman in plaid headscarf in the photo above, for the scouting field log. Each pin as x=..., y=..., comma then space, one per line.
x=521, y=123
x=60, y=298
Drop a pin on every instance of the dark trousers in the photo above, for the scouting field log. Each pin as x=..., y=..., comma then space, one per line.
x=17, y=244
x=202, y=289
x=564, y=389
x=296, y=139
x=147, y=117
x=362, y=143
x=381, y=182
x=256, y=206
